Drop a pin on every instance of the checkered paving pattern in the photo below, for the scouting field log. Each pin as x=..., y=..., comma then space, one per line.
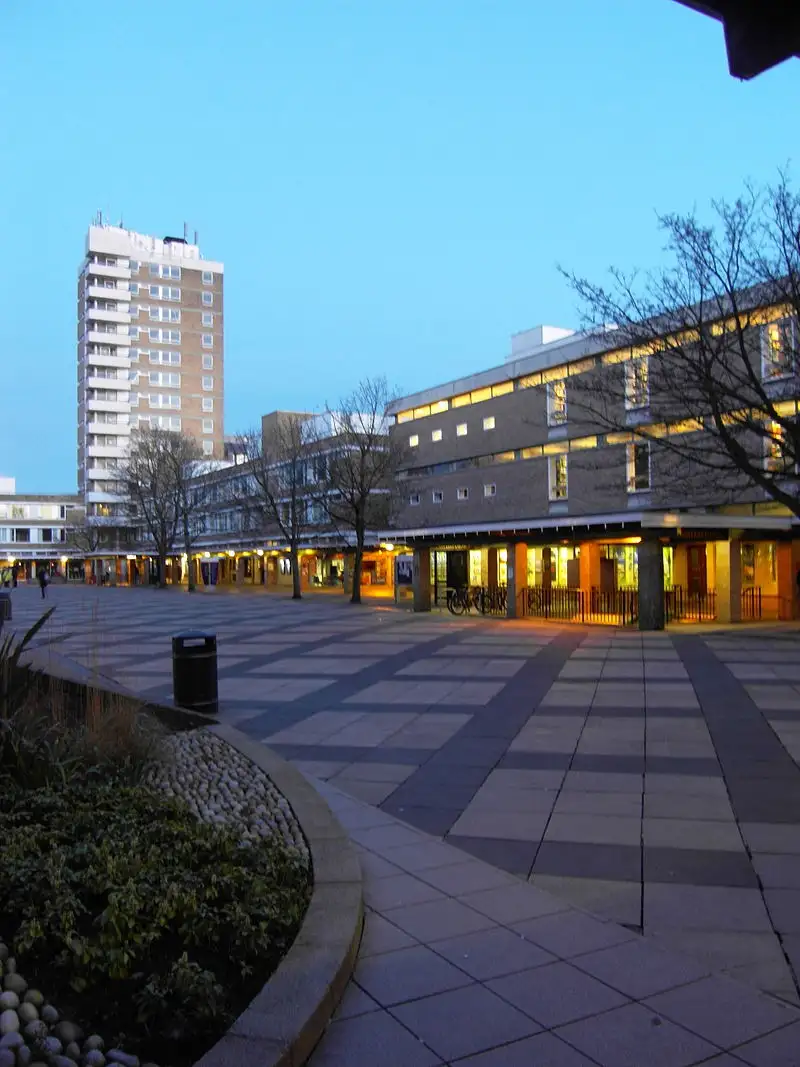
x=652, y=779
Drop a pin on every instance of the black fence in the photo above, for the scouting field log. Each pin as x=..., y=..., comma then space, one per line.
x=619, y=607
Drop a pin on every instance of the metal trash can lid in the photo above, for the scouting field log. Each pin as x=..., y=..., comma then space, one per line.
x=192, y=634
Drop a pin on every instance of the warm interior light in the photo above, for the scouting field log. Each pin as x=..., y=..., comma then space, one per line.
x=259, y=551
x=64, y=561
x=388, y=547
x=207, y=555
x=231, y=552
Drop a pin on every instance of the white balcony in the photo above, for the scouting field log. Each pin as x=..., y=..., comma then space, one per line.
x=94, y=359
x=105, y=315
x=104, y=498
x=94, y=382
x=106, y=452
x=113, y=292
x=98, y=474
x=108, y=405
x=103, y=270
x=98, y=337
x=122, y=429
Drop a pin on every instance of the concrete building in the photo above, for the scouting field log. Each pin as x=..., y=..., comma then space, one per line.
x=512, y=492
x=34, y=533
x=150, y=352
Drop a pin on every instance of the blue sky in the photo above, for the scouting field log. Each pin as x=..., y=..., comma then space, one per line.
x=391, y=183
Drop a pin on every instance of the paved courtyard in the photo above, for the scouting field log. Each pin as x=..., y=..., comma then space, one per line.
x=651, y=779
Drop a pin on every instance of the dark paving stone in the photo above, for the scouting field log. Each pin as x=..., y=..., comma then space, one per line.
x=347, y=753
x=513, y=856
x=436, y=821
x=619, y=863
x=743, y=740
x=445, y=774
x=470, y=752
x=694, y=866
x=705, y=768
x=535, y=761
x=608, y=764
x=416, y=792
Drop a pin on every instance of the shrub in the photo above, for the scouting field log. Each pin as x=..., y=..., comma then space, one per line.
x=137, y=919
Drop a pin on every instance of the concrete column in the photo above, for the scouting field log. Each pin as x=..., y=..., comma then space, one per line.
x=517, y=569
x=590, y=566
x=421, y=579
x=729, y=580
x=240, y=564
x=491, y=568
x=787, y=566
x=651, y=585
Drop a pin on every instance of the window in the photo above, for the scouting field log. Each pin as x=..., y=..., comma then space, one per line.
x=557, y=402
x=208, y=425
x=208, y=403
x=208, y=318
x=638, y=466
x=637, y=382
x=436, y=435
x=208, y=448
x=160, y=314
x=557, y=472
x=171, y=359
x=208, y=362
x=462, y=494
x=490, y=489
x=164, y=270
x=437, y=496
x=778, y=354
x=776, y=459
x=414, y=500
x=208, y=382
x=488, y=422
x=438, y=406
x=172, y=381
x=208, y=299
x=134, y=288
x=165, y=400
x=133, y=333
x=461, y=430
x=208, y=277
x=413, y=440
x=134, y=265
x=166, y=422
x=207, y=340
x=168, y=337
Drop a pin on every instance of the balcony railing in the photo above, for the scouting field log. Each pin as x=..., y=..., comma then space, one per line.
x=486, y=600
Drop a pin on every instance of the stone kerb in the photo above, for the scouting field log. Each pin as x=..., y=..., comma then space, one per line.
x=285, y=1021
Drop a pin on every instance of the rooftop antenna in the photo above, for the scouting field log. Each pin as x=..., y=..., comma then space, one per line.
x=185, y=230
x=195, y=236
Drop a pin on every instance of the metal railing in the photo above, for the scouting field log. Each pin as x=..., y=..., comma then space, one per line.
x=751, y=603
x=683, y=606
x=553, y=602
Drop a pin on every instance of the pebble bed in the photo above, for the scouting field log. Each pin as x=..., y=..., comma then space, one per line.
x=222, y=787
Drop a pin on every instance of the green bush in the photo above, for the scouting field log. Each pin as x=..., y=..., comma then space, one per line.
x=137, y=920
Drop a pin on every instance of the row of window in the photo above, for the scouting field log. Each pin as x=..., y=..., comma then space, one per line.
x=168, y=337
x=33, y=511
x=779, y=359
x=637, y=460
x=157, y=292
x=26, y=535
x=206, y=403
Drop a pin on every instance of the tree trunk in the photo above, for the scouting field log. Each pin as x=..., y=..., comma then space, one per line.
x=162, y=570
x=296, y=592
x=358, y=561
x=190, y=586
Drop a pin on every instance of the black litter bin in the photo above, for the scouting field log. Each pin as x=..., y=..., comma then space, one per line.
x=194, y=671
x=5, y=607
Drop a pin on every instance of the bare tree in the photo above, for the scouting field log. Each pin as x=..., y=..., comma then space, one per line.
x=704, y=367
x=192, y=488
x=277, y=461
x=147, y=478
x=83, y=535
x=358, y=467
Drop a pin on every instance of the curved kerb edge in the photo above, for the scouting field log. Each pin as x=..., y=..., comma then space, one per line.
x=283, y=1024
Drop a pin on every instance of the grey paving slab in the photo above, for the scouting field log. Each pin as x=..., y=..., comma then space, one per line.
x=777, y=1049
x=543, y=1050
x=407, y=974
x=690, y=907
x=492, y=953
x=375, y=1037
x=619, y=901
x=557, y=993
x=723, y=1012
x=571, y=933
x=464, y=1021
x=632, y=1036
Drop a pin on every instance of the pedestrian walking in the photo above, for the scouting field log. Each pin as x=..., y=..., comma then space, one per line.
x=44, y=578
